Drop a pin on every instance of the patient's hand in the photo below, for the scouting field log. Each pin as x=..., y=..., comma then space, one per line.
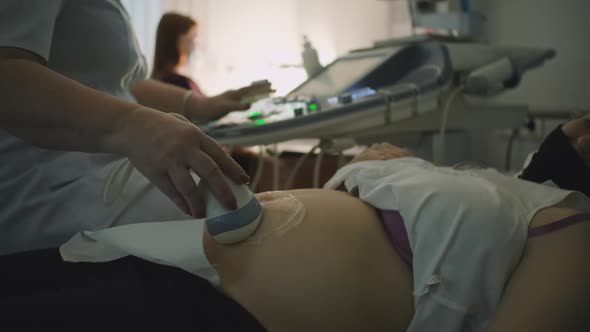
x=383, y=151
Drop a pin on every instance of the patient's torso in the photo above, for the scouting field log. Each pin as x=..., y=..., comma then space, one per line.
x=331, y=270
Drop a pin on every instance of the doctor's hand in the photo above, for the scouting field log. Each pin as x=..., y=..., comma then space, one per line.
x=165, y=149
x=213, y=108
x=383, y=151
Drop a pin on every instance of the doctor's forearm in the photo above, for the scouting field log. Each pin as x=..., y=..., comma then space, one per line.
x=162, y=96
x=52, y=111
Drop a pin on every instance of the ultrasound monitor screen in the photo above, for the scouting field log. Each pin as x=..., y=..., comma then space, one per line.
x=339, y=76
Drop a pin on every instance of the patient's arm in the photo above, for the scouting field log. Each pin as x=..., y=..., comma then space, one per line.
x=335, y=271
x=383, y=151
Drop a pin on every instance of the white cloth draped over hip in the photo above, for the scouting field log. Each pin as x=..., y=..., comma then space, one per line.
x=466, y=228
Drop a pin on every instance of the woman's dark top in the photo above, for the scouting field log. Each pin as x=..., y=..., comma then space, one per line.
x=557, y=160
x=183, y=82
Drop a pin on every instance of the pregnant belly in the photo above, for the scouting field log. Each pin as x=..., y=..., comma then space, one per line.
x=328, y=269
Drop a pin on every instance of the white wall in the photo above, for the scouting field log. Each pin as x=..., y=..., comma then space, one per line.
x=251, y=40
x=560, y=24
x=337, y=26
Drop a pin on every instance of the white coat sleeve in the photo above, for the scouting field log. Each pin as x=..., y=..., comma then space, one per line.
x=29, y=24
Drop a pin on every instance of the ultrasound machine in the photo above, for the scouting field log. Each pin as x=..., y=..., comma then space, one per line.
x=372, y=89
x=350, y=94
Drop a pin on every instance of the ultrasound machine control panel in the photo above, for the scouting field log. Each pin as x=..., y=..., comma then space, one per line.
x=350, y=84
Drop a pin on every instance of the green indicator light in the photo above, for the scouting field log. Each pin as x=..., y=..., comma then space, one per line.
x=313, y=107
x=254, y=114
x=260, y=121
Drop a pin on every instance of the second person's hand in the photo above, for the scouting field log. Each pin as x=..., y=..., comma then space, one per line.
x=165, y=149
x=206, y=109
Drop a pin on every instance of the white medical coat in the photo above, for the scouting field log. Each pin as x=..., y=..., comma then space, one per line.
x=48, y=196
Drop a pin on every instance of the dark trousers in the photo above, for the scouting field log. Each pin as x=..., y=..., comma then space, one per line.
x=38, y=291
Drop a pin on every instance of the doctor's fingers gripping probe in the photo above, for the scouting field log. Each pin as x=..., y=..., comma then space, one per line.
x=227, y=226
x=224, y=225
